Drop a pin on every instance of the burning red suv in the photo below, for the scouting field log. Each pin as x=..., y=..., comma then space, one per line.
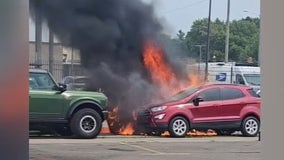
x=225, y=108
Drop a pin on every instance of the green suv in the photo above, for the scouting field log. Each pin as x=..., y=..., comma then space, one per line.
x=77, y=113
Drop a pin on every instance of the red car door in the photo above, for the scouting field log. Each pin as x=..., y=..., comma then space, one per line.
x=233, y=100
x=207, y=110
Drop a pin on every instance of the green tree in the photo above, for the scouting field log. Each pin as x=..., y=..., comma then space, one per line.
x=243, y=43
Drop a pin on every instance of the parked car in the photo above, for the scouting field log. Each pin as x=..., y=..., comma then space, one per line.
x=76, y=82
x=78, y=113
x=225, y=108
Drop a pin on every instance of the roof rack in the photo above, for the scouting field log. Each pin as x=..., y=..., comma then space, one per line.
x=247, y=64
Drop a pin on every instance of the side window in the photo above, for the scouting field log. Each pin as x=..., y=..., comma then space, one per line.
x=239, y=79
x=211, y=94
x=41, y=81
x=231, y=93
x=253, y=93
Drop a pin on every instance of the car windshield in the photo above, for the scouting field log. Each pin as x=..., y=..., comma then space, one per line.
x=183, y=94
x=253, y=79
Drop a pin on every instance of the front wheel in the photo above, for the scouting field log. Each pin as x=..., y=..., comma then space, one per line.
x=250, y=126
x=86, y=123
x=178, y=127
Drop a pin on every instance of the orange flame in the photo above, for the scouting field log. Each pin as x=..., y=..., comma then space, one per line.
x=113, y=120
x=154, y=61
x=194, y=133
x=162, y=74
x=128, y=130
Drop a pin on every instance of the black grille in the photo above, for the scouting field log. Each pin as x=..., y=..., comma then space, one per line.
x=143, y=116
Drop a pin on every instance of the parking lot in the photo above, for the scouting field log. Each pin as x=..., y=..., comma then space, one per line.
x=113, y=147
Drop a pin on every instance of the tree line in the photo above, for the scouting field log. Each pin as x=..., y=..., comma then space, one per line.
x=243, y=40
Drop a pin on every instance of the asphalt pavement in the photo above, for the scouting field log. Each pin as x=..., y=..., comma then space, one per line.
x=115, y=147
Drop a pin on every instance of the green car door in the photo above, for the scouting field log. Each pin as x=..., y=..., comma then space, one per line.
x=45, y=101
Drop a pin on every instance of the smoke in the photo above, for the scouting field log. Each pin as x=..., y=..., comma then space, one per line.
x=110, y=35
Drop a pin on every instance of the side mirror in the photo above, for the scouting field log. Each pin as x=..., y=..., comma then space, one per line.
x=197, y=100
x=62, y=87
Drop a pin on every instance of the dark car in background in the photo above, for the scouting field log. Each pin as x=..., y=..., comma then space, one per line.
x=225, y=108
x=76, y=82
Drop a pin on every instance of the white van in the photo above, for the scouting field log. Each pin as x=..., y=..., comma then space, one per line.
x=220, y=72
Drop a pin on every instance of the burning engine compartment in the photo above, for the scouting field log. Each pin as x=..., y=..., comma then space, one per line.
x=121, y=48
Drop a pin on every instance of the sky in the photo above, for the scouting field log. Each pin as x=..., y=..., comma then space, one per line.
x=178, y=15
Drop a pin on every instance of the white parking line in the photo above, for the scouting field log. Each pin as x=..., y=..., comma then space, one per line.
x=143, y=148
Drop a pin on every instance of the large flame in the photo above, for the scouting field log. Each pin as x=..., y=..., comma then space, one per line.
x=162, y=74
x=154, y=61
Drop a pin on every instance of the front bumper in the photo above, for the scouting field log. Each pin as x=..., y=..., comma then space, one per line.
x=146, y=124
x=105, y=115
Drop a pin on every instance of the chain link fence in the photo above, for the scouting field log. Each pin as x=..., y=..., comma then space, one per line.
x=59, y=70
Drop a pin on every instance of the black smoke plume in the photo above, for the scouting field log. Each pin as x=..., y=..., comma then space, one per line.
x=110, y=35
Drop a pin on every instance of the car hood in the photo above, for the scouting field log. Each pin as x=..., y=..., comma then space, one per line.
x=84, y=94
x=160, y=103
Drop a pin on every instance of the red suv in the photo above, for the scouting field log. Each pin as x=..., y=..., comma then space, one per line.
x=226, y=108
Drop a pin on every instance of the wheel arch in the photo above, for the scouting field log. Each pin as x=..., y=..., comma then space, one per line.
x=251, y=114
x=75, y=107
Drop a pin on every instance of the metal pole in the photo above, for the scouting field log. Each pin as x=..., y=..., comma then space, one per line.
x=51, y=52
x=200, y=55
x=227, y=33
x=259, y=47
x=38, y=34
x=72, y=63
x=208, y=41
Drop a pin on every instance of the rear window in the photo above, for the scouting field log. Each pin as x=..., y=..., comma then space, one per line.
x=252, y=93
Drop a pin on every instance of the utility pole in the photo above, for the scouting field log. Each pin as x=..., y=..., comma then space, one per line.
x=227, y=33
x=208, y=42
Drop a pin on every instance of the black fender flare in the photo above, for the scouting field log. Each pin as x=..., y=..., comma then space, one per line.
x=75, y=105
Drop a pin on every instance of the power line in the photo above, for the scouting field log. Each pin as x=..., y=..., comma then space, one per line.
x=184, y=7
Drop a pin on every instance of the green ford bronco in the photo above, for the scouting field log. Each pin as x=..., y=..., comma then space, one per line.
x=69, y=113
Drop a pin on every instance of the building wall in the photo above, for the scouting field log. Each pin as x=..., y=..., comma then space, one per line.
x=58, y=51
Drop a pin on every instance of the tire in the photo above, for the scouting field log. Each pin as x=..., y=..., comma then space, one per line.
x=250, y=126
x=86, y=123
x=178, y=127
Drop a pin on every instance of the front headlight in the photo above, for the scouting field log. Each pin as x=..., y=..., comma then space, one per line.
x=159, y=108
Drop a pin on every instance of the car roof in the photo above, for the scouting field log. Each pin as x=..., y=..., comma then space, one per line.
x=229, y=85
x=35, y=70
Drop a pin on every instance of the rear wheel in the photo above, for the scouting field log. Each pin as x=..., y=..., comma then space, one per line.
x=250, y=126
x=86, y=123
x=178, y=127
